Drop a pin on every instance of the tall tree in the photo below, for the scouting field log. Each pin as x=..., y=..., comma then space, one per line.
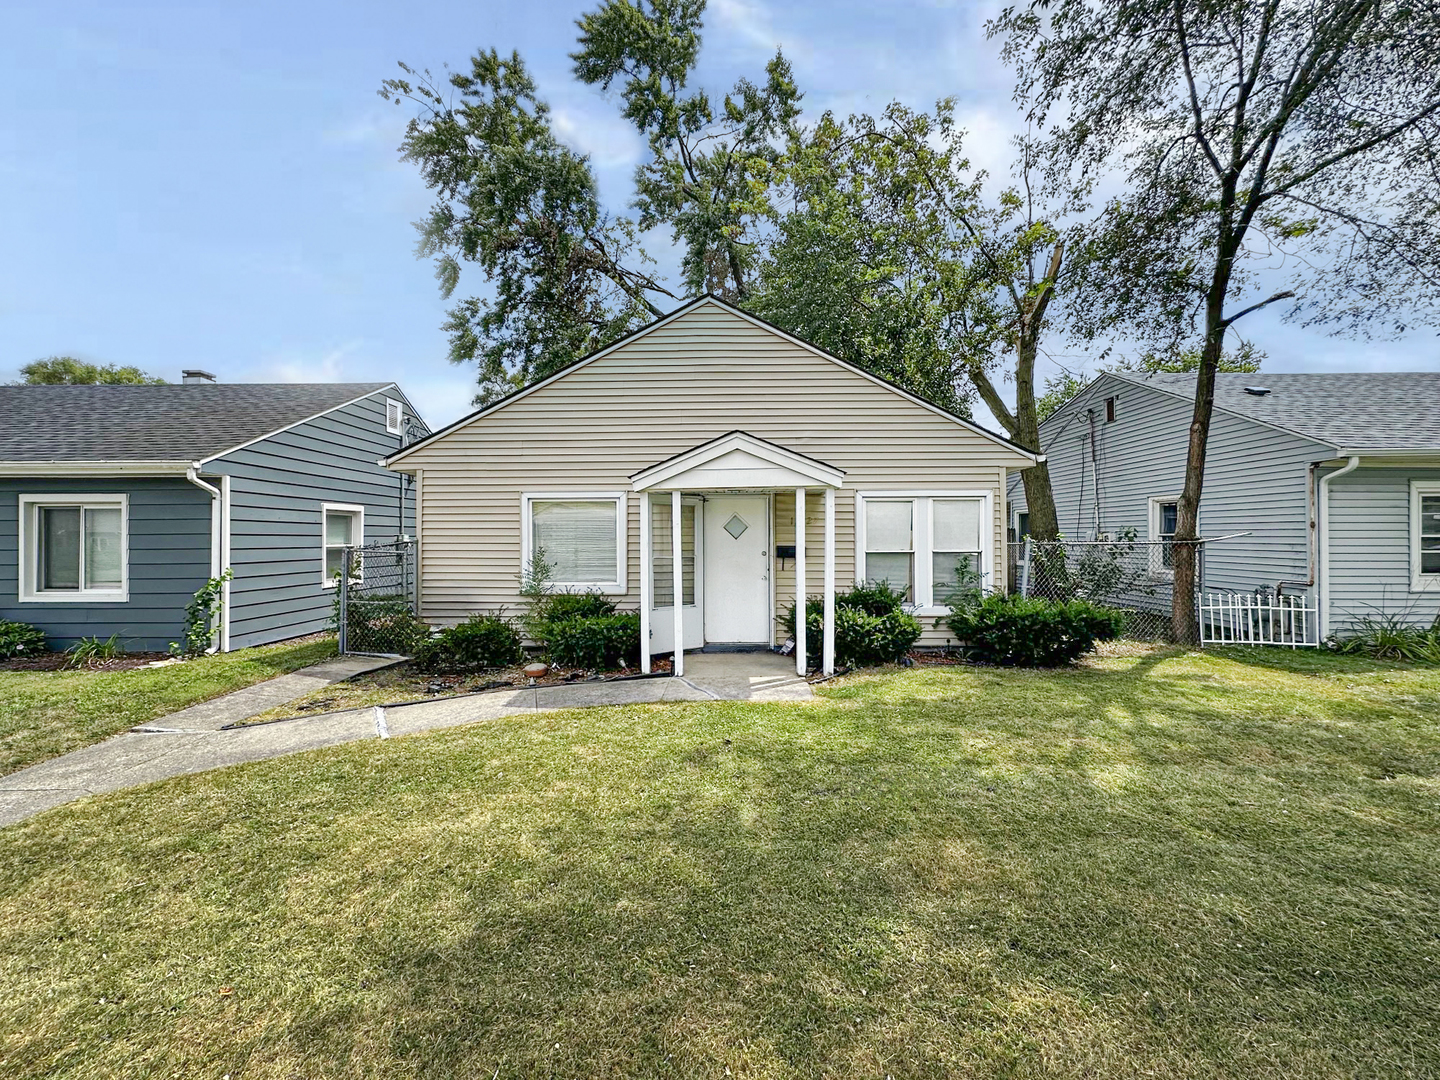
x=892, y=233
x=514, y=200
x=700, y=176
x=68, y=371
x=1274, y=151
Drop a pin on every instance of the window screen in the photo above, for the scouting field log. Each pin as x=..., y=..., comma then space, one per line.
x=955, y=553
x=1430, y=534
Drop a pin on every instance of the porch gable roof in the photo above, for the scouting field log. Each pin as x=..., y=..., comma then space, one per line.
x=736, y=461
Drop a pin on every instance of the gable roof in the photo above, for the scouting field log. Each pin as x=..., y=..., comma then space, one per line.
x=730, y=457
x=1369, y=411
x=685, y=309
x=173, y=422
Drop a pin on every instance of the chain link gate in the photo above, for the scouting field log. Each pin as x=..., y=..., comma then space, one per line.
x=375, y=600
x=1133, y=576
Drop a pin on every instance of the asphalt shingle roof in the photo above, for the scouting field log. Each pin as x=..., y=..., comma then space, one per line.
x=176, y=422
x=1375, y=410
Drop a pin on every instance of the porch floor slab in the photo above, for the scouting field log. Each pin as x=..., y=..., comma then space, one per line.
x=746, y=676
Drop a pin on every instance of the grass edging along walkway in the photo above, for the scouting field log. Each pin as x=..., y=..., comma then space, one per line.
x=1160, y=865
x=47, y=713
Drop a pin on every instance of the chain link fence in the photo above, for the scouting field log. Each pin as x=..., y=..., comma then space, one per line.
x=1135, y=576
x=375, y=611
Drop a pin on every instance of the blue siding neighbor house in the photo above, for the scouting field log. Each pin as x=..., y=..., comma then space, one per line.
x=1333, y=478
x=118, y=502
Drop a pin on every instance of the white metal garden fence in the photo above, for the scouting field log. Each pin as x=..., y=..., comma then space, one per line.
x=1259, y=618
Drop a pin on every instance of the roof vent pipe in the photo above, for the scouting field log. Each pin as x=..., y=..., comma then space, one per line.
x=195, y=375
x=1257, y=391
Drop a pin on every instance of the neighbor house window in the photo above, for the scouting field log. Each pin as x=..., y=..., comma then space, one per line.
x=580, y=536
x=394, y=416
x=925, y=545
x=1425, y=534
x=1164, y=517
x=344, y=527
x=1022, y=526
x=74, y=547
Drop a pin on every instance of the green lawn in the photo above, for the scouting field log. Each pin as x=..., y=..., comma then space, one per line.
x=1159, y=865
x=45, y=713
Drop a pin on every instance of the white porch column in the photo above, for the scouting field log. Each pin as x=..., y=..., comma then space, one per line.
x=678, y=575
x=827, y=655
x=647, y=595
x=800, y=661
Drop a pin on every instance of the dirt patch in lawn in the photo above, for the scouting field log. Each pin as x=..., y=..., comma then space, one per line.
x=61, y=661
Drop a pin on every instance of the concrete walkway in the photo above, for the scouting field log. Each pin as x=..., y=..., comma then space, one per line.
x=194, y=740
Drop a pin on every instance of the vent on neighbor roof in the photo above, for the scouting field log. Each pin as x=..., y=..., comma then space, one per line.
x=1257, y=391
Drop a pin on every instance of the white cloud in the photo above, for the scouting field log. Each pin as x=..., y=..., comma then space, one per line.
x=295, y=367
x=753, y=24
x=607, y=139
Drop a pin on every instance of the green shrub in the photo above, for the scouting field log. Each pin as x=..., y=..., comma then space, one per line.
x=481, y=641
x=595, y=643
x=1028, y=632
x=562, y=607
x=20, y=639
x=1391, y=637
x=870, y=627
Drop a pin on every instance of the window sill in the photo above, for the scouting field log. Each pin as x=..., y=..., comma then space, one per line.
x=606, y=588
x=97, y=596
x=1428, y=584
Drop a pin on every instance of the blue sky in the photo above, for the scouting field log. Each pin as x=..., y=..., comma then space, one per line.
x=217, y=185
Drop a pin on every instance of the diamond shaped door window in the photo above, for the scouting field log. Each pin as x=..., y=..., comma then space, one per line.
x=736, y=526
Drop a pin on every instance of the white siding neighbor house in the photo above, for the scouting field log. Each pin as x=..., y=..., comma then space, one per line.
x=1333, y=480
x=711, y=432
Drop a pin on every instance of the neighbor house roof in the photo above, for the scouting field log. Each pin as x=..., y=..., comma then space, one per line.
x=175, y=422
x=1355, y=411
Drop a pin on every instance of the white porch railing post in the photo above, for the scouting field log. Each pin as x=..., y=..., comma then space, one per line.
x=677, y=565
x=801, y=664
x=827, y=658
x=647, y=588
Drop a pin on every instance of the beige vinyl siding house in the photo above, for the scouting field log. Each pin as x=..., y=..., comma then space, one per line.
x=730, y=416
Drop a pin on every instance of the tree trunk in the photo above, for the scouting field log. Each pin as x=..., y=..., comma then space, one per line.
x=1040, y=503
x=1184, y=620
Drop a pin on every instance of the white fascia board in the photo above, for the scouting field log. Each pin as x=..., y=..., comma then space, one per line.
x=807, y=471
x=94, y=468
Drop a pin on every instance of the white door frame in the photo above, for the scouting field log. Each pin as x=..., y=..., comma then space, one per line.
x=663, y=625
x=768, y=516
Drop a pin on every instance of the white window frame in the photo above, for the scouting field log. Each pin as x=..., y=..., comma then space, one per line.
x=355, y=510
x=397, y=428
x=923, y=542
x=617, y=587
x=1420, y=582
x=29, y=552
x=1157, y=553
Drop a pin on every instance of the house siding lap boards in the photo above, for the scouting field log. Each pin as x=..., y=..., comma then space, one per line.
x=169, y=558
x=277, y=487
x=1255, y=480
x=1370, y=547
x=693, y=379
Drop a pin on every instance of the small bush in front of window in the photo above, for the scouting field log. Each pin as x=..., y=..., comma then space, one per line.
x=562, y=607
x=481, y=641
x=870, y=626
x=592, y=642
x=1017, y=631
x=18, y=639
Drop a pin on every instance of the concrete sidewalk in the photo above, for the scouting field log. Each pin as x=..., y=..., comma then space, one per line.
x=193, y=740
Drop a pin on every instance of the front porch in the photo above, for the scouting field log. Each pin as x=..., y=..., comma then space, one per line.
x=716, y=506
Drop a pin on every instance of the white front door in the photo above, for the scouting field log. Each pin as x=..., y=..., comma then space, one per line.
x=737, y=569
